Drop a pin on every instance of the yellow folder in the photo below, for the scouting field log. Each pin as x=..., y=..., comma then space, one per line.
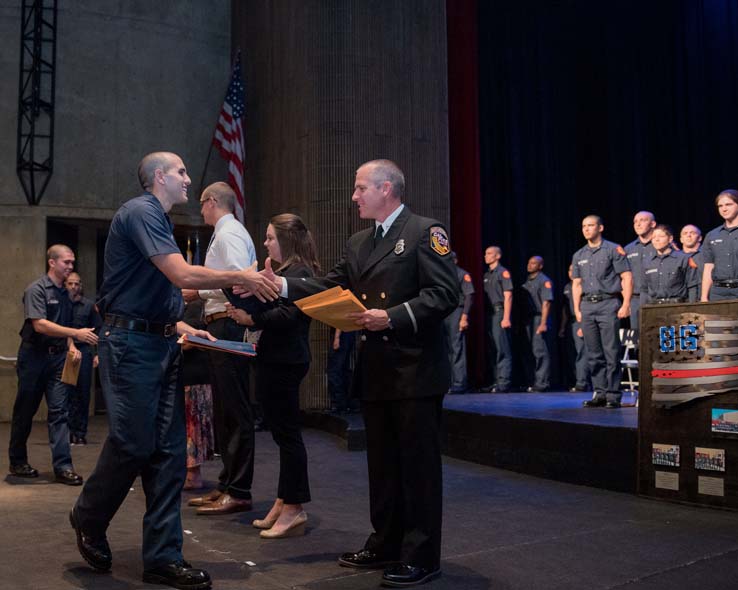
x=331, y=307
x=70, y=372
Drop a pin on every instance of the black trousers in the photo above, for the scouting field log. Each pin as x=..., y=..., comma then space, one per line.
x=278, y=391
x=233, y=417
x=405, y=479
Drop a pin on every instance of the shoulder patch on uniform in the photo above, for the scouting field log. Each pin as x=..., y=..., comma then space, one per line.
x=505, y=274
x=439, y=240
x=547, y=284
x=467, y=278
x=692, y=263
x=620, y=250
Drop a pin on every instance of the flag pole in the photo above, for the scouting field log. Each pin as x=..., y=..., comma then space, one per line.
x=205, y=168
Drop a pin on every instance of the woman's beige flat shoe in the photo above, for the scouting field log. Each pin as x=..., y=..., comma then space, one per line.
x=296, y=529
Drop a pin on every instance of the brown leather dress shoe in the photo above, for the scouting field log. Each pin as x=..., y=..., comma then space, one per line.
x=226, y=504
x=211, y=496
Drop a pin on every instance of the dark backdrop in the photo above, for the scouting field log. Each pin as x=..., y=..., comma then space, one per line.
x=605, y=107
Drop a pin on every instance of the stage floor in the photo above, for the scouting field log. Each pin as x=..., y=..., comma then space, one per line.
x=502, y=530
x=555, y=406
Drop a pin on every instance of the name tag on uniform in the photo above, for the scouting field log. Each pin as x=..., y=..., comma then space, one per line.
x=53, y=302
x=650, y=270
x=633, y=254
x=581, y=262
x=718, y=241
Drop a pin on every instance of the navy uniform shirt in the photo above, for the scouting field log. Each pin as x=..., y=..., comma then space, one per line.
x=496, y=282
x=636, y=252
x=569, y=296
x=132, y=286
x=720, y=247
x=667, y=276
x=84, y=315
x=467, y=289
x=43, y=300
x=694, y=288
x=537, y=289
x=600, y=268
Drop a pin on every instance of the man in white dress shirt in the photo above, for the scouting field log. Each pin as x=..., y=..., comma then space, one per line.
x=232, y=248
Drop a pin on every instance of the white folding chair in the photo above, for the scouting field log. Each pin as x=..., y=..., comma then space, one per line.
x=628, y=364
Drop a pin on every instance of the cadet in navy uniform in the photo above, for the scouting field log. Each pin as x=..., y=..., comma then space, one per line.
x=402, y=271
x=667, y=273
x=498, y=287
x=456, y=325
x=720, y=252
x=691, y=239
x=636, y=251
x=601, y=276
x=45, y=336
x=539, y=290
x=84, y=315
x=141, y=303
x=576, y=348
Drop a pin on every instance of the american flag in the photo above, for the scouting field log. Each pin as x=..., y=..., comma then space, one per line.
x=710, y=369
x=228, y=136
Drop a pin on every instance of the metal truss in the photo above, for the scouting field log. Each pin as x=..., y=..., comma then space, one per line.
x=35, y=147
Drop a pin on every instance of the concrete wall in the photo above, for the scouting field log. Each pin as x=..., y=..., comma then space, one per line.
x=132, y=76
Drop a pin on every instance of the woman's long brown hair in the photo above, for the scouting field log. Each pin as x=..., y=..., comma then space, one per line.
x=295, y=241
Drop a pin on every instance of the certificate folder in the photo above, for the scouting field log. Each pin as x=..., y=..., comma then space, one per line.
x=70, y=372
x=250, y=305
x=331, y=307
x=231, y=346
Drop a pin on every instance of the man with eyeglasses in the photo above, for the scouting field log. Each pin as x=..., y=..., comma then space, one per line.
x=231, y=248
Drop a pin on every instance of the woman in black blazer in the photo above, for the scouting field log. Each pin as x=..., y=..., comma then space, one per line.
x=282, y=361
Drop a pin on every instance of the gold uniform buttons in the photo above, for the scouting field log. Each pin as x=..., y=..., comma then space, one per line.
x=363, y=296
x=385, y=338
x=363, y=337
x=383, y=295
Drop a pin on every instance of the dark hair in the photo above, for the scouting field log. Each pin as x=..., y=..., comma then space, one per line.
x=295, y=241
x=599, y=219
x=664, y=228
x=728, y=192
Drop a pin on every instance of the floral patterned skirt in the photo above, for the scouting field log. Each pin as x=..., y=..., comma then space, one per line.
x=199, y=415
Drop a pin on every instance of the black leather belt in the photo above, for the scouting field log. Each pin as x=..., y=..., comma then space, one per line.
x=669, y=300
x=597, y=298
x=45, y=349
x=139, y=325
x=731, y=284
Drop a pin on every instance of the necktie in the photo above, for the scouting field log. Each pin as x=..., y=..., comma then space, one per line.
x=378, y=235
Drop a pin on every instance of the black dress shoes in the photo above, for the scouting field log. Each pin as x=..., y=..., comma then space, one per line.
x=402, y=575
x=68, y=477
x=96, y=552
x=23, y=470
x=178, y=574
x=595, y=403
x=612, y=405
x=364, y=559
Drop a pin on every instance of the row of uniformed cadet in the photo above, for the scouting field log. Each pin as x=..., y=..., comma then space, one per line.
x=609, y=283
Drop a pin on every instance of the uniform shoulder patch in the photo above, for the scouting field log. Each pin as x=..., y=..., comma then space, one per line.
x=619, y=250
x=467, y=278
x=439, y=240
x=547, y=284
x=505, y=274
x=692, y=263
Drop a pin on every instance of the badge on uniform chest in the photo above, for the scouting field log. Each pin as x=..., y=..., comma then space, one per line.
x=400, y=246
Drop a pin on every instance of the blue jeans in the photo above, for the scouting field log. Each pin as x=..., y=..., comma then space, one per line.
x=141, y=383
x=39, y=375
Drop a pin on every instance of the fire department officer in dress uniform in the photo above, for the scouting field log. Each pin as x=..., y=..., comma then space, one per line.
x=140, y=360
x=667, y=273
x=691, y=239
x=601, y=276
x=456, y=325
x=498, y=287
x=45, y=336
x=720, y=252
x=401, y=269
x=636, y=251
x=539, y=291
